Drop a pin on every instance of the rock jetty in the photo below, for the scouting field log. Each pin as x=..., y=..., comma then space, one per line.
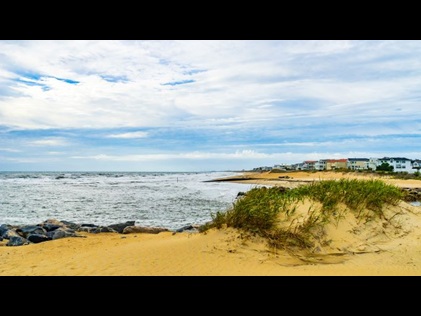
x=52, y=229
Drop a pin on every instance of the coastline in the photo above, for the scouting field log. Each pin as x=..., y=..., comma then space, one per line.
x=294, y=178
x=223, y=252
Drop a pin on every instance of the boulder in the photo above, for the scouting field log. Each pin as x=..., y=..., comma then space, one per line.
x=16, y=241
x=37, y=238
x=71, y=225
x=9, y=234
x=119, y=228
x=61, y=233
x=141, y=229
x=25, y=231
x=96, y=230
x=4, y=228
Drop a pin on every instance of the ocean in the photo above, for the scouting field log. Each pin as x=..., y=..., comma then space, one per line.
x=155, y=199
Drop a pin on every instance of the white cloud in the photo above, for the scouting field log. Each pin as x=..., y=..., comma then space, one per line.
x=52, y=141
x=10, y=150
x=243, y=154
x=129, y=135
x=121, y=82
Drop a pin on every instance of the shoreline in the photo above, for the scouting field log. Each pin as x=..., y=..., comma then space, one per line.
x=293, y=178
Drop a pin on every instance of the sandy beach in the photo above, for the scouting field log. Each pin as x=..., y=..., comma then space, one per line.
x=227, y=252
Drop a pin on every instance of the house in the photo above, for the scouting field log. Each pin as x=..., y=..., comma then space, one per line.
x=373, y=163
x=416, y=164
x=283, y=167
x=333, y=164
x=264, y=168
x=400, y=164
x=320, y=165
x=309, y=165
x=358, y=163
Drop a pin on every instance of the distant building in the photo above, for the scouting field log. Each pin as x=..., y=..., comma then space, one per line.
x=358, y=163
x=298, y=166
x=265, y=168
x=309, y=165
x=333, y=164
x=416, y=164
x=373, y=163
x=320, y=165
x=400, y=164
x=283, y=167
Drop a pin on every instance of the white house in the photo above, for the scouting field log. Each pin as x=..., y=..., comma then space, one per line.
x=400, y=164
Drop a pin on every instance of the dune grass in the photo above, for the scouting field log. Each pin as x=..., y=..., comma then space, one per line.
x=270, y=212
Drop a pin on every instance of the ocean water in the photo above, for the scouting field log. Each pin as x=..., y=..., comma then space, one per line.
x=163, y=199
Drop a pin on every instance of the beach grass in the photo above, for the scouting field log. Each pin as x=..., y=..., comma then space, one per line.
x=277, y=214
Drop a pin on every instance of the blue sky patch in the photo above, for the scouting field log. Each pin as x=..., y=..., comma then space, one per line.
x=110, y=78
x=176, y=83
x=70, y=81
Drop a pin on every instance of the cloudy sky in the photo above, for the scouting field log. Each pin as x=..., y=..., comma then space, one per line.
x=205, y=105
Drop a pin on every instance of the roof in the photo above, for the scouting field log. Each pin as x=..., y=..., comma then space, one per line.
x=337, y=160
x=394, y=158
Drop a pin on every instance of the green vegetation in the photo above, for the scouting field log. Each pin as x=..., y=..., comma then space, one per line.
x=277, y=214
x=384, y=167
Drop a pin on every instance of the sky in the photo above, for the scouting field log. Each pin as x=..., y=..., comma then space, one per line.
x=193, y=105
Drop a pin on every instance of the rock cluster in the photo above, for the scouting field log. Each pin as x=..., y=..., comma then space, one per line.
x=52, y=229
x=413, y=194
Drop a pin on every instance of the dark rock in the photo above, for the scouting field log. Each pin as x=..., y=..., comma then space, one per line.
x=50, y=234
x=37, y=238
x=86, y=229
x=50, y=227
x=4, y=228
x=25, y=231
x=61, y=233
x=96, y=230
x=3, y=232
x=16, y=241
x=10, y=233
x=141, y=229
x=411, y=194
x=283, y=189
x=121, y=226
x=106, y=229
x=71, y=225
x=1, y=238
x=240, y=194
x=89, y=225
x=188, y=228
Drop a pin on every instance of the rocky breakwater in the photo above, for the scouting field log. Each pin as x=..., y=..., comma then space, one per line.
x=412, y=194
x=51, y=229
